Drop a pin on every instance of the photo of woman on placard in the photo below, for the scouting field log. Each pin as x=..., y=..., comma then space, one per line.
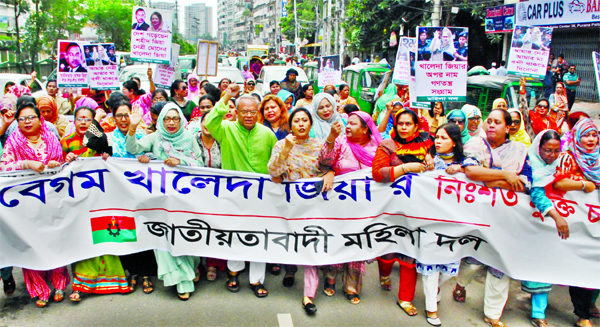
x=157, y=24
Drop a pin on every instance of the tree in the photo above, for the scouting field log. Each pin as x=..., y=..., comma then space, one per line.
x=307, y=19
x=185, y=47
x=19, y=7
x=65, y=17
x=206, y=36
x=113, y=19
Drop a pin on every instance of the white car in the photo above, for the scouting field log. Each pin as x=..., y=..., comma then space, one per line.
x=140, y=71
x=22, y=79
x=276, y=73
x=232, y=73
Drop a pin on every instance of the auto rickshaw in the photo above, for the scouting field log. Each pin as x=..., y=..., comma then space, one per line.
x=256, y=65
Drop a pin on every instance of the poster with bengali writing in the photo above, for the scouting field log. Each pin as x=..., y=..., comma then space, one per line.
x=529, y=51
x=165, y=74
x=102, y=66
x=405, y=58
x=151, y=35
x=72, y=69
x=329, y=70
x=441, y=66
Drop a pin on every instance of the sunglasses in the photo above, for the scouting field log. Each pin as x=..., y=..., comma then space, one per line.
x=251, y=84
x=456, y=121
x=540, y=106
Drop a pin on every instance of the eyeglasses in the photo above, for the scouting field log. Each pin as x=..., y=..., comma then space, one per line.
x=173, y=119
x=28, y=118
x=456, y=121
x=121, y=116
x=516, y=122
x=549, y=152
x=87, y=120
x=251, y=113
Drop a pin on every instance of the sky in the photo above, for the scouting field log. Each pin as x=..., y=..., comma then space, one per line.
x=183, y=3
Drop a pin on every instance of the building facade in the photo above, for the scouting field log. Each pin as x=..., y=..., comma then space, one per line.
x=198, y=21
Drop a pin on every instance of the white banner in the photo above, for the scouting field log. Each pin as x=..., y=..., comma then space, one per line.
x=151, y=35
x=208, y=58
x=72, y=69
x=529, y=52
x=92, y=207
x=404, y=57
x=165, y=74
x=440, y=73
x=561, y=13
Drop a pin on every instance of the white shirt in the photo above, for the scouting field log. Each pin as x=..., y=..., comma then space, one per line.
x=493, y=71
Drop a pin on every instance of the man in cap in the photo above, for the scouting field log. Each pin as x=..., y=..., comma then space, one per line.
x=493, y=70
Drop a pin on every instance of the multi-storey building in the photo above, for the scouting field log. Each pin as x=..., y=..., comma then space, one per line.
x=198, y=20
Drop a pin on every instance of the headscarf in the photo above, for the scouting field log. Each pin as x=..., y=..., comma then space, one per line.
x=359, y=151
x=471, y=111
x=295, y=85
x=542, y=173
x=388, y=95
x=460, y=114
x=587, y=160
x=85, y=101
x=320, y=127
x=8, y=101
x=47, y=101
x=521, y=136
x=497, y=101
x=19, y=90
x=178, y=144
x=285, y=94
x=18, y=142
x=193, y=92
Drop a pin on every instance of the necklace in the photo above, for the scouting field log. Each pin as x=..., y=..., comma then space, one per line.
x=36, y=141
x=446, y=156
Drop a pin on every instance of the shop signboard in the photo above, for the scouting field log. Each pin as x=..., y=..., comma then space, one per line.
x=500, y=19
x=561, y=13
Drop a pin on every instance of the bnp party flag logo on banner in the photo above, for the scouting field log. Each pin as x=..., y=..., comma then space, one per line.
x=441, y=67
x=151, y=35
x=529, y=51
x=115, y=229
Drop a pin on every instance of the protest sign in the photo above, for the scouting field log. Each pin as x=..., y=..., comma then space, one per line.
x=102, y=66
x=433, y=217
x=441, y=66
x=151, y=42
x=208, y=58
x=529, y=52
x=165, y=74
x=405, y=58
x=500, y=19
x=72, y=70
x=596, y=57
x=329, y=70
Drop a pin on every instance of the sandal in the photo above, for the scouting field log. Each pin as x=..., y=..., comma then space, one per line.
x=75, y=296
x=353, y=298
x=211, y=275
x=494, y=322
x=41, y=303
x=233, y=284
x=288, y=280
x=9, y=286
x=132, y=283
x=309, y=307
x=433, y=321
x=459, y=294
x=539, y=322
x=147, y=284
x=408, y=307
x=257, y=288
x=329, y=288
x=184, y=296
x=59, y=295
x=386, y=283
x=197, y=272
x=275, y=269
x=594, y=312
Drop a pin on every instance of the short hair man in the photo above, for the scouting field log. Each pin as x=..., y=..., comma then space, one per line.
x=572, y=81
x=502, y=70
x=140, y=24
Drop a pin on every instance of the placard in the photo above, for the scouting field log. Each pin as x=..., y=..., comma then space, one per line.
x=208, y=58
x=165, y=74
x=500, y=19
x=405, y=58
x=72, y=70
x=529, y=52
x=329, y=70
x=102, y=66
x=441, y=67
x=596, y=58
x=151, y=35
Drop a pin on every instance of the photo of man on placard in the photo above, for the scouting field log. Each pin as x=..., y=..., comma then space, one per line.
x=140, y=21
x=71, y=60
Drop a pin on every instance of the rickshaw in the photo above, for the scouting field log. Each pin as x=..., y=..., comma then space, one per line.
x=256, y=65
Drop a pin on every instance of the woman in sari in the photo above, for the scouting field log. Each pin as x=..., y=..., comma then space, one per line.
x=193, y=87
x=517, y=128
x=345, y=97
x=274, y=115
x=341, y=155
x=174, y=145
x=178, y=97
x=473, y=119
x=157, y=24
x=540, y=120
x=33, y=147
x=436, y=116
x=442, y=48
x=324, y=116
x=405, y=152
x=308, y=93
x=292, y=158
x=459, y=118
x=579, y=169
x=223, y=84
x=49, y=110
x=559, y=105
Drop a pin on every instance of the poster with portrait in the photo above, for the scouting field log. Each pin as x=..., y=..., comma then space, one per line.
x=72, y=69
x=404, y=57
x=207, y=58
x=596, y=57
x=329, y=70
x=530, y=50
x=165, y=74
x=441, y=66
x=102, y=65
x=151, y=35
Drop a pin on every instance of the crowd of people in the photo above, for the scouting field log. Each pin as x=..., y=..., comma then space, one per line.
x=298, y=132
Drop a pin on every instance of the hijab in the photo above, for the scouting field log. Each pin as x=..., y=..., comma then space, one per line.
x=497, y=102
x=47, y=101
x=85, y=101
x=178, y=144
x=542, y=173
x=460, y=114
x=360, y=153
x=285, y=94
x=295, y=85
x=388, y=95
x=8, y=101
x=321, y=128
x=18, y=142
x=193, y=92
x=521, y=136
x=587, y=160
x=19, y=90
x=471, y=112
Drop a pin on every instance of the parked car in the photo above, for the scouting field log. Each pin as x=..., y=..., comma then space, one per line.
x=140, y=71
x=482, y=90
x=22, y=79
x=187, y=64
x=364, y=79
x=234, y=74
x=276, y=73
